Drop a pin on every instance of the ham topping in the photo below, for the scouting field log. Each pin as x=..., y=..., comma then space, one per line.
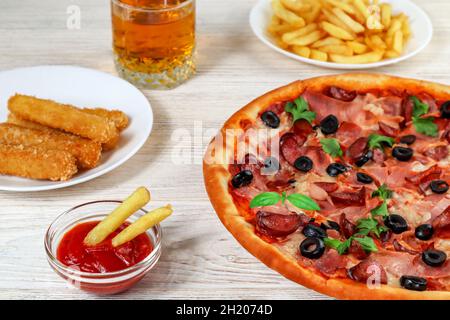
x=368, y=268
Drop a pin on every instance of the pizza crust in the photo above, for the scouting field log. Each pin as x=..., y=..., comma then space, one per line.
x=216, y=178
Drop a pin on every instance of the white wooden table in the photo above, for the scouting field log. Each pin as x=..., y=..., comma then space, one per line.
x=200, y=258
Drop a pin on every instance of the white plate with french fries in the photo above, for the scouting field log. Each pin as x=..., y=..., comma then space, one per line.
x=49, y=130
x=342, y=34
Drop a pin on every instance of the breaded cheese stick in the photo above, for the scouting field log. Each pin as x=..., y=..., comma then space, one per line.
x=87, y=152
x=64, y=117
x=119, y=118
x=15, y=119
x=37, y=163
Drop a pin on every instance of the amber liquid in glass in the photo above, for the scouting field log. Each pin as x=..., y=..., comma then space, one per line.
x=154, y=41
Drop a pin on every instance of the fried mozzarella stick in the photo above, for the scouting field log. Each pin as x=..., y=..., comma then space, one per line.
x=64, y=117
x=119, y=118
x=87, y=152
x=37, y=163
x=15, y=119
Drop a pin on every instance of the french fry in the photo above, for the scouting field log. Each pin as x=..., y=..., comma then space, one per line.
x=397, y=45
x=369, y=57
x=386, y=14
x=313, y=14
x=338, y=49
x=349, y=22
x=357, y=47
x=336, y=31
x=406, y=29
x=296, y=5
x=286, y=15
x=396, y=25
x=318, y=55
x=307, y=39
x=302, y=51
x=390, y=54
x=362, y=8
x=141, y=225
x=342, y=5
x=115, y=219
x=330, y=17
x=327, y=42
x=289, y=36
x=377, y=43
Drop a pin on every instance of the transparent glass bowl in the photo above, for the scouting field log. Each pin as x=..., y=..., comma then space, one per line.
x=99, y=283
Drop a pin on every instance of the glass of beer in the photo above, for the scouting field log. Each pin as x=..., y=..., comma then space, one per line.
x=154, y=41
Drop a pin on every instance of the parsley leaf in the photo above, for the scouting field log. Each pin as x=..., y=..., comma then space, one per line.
x=300, y=110
x=369, y=225
x=377, y=141
x=265, y=199
x=419, y=108
x=367, y=243
x=331, y=146
x=383, y=192
x=340, y=246
x=303, y=202
x=425, y=126
x=381, y=210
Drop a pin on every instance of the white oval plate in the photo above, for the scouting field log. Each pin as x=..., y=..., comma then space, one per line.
x=421, y=27
x=84, y=88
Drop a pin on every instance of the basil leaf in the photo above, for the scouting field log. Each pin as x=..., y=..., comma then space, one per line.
x=265, y=199
x=331, y=146
x=377, y=141
x=381, y=210
x=283, y=197
x=303, y=202
x=300, y=110
x=419, y=108
x=383, y=192
x=426, y=126
x=367, y=243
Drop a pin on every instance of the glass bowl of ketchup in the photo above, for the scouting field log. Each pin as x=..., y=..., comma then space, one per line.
x=100, y=269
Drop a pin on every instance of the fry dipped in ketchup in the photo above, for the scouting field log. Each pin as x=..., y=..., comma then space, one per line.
x=112, y=244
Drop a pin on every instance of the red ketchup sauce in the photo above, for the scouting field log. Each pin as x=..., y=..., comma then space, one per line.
x=102, y=257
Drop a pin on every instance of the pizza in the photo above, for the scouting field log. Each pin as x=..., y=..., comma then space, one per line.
x=340, y=183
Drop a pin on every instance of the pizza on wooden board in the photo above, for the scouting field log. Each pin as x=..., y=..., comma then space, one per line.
x=347, y=190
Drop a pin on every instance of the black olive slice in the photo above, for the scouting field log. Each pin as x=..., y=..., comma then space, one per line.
x=424, y=231
x=313, y=231
x=439, y=186
x=364, y=178
x=413, y=283
x=402, y=153
x=409, y=139
x=303, y=164
x=336, y=169
x=330, y=225
x=396, y=223
x=329, y=124
x=364, y=159
x=445, y=110
x=434, y=258
x=242, y=179
x=312, y=248
x=270, y=119
x=271, y=166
